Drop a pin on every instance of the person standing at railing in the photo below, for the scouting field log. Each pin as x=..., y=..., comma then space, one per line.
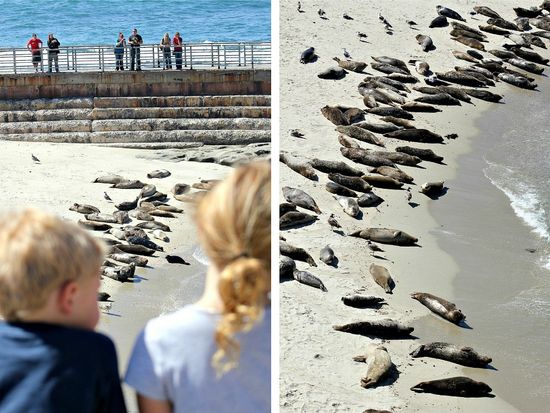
x=35, y=46
x=135, y=41
x=165, y=47
x=53, y=52
x=119, y=51
x=177, y=41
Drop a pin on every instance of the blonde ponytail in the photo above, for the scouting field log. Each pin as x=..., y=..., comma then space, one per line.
x=234, y=222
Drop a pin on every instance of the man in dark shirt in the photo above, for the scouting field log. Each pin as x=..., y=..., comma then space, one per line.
x=53, y=52
x=135, y=41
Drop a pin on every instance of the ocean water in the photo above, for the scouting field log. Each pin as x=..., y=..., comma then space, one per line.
x=98, y=22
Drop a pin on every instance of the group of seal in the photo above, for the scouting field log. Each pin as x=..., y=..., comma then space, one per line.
x=386, y=113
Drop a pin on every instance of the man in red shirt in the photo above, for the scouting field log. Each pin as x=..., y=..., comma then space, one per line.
x=35, y=47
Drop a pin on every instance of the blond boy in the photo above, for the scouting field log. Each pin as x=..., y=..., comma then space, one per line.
x=52, y=360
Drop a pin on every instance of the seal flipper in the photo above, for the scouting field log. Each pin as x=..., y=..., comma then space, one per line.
x=418, y=352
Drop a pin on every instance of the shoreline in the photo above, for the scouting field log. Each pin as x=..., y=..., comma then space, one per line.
x=317, y=372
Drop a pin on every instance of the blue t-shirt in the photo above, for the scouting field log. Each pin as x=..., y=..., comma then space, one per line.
x=46, y=368
x=172, y=359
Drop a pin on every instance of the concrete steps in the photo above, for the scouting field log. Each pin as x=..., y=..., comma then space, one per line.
x=211, y=120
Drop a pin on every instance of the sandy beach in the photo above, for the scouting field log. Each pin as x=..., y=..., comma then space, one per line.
x=317, y=369
x=65, y=175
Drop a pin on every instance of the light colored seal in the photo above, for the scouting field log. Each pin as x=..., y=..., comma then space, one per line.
x=465, y=356
x=378, y=365
x=382, y=277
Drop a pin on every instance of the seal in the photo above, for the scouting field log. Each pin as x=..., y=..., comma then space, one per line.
x=422, y=68
x=419, y=107
x=332, y=73
x=402, y=78
x=335, y=166
x=528, y=55
x=455, y=92
x=468, y=41
x=392, y=61
x=338, y=189
x=463, y=27
x=369, y=199
x=460, y=78
x=109, y=179
x=440, y=306
x=158, y=173
x=308, y=55
x=391, y=111
x=327, y=255
x=170, y=208
x=439, y=21
x=347, y=142
x=304, y=277
x=389, y=69
x=459, y=32
x=147, y=191
x=517, y=80
x=382, y=181
x=523, y=23
x=394, y=173
x=351, y=182
x=424, y=154
x=128, y=184
x=121, y=217
x=530, y=13
x=353, y=115
x=145, y=242
x=364, y=157
x=382, y=277
x=349, y=205
x=425, y=42
x=298, y=165
x=451, y=14
x=300, y=198
x=489, y=28
x=484, y=95
x=296, y=253
x=505, y=24
x=127, y=205
x=206, y=184
x=527, y=66
x=132, y=231
x=286, y=268
x=385, y=328
x=129, y=258
x=415, y=135
x=377, y=127
x=160, y=235
x=389, y=81
x=180, y=189
x=378, y=362
x=94, y=226
x=295, y=218
x=84, y=208
x=351, y=65
x=399, y=122
x=465, y=356
x=133, y=249
x=99, y=217
x=153, y=225
x=439, y=99
x=141, y=215
x=284, y=207
x=535, y=41
x=454, y=386
x=486, y=11
x=385, y=236
x=334, y=114
x=363, y=301
x=161, y=213
x=360, y=134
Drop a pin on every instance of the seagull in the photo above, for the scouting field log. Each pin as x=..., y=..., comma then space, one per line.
x=373, y=247
x=346, y=54
x=411, y=23
x=383, y=20
x=300, y=8
x=347, y=17
x=408, y=194
x=361, y=35
x=107, y=197
x=35, y=159
x=296, y=133
x=333, y=223
x=321, y=13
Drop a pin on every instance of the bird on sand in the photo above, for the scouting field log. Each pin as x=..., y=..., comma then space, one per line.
x=408, y=194
x=35, y=159
x=411, y=23
x=107, y=197
x=321, y=13
x=346, y=54
x=361, y=36
x=300, y=8
x=296, y=133
x=347, y=17
x=333, y=223
x=373, y=247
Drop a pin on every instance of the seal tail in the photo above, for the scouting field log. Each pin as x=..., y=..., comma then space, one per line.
x=417, y=352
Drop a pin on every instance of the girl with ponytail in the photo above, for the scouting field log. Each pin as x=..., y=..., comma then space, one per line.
x=214, y=355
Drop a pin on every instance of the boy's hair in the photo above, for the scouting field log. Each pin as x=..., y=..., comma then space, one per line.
x=40, y=252
x=234, y=224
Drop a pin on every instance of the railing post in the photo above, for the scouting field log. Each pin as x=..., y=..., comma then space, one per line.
x=41, y=61
x=239, y=53
x=14, y=62
x=211, y=54
x=75, y=63
x=225, y=57
x=252, y=54
x=185, y=55
x=67, y=50
x=191, y=56
x=244, y=54
x=218, y=56
x=99, y=58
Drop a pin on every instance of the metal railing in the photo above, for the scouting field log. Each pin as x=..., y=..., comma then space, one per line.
x=102, y=58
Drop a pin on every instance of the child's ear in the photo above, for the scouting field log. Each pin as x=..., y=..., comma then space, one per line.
x=65, y=297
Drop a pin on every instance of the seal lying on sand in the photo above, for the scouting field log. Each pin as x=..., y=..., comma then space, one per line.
x=378, y=364
x=440, y=306
x=425, y=42
x=295, y=218
x=415, y=135
x=308, y=55
x=335, y=167
x=338, y=189
x=362, y=301
x=454, y=386
x=286, y=267
x=424, y=154
x=296, y=253
x=304, y=277
x=365, y=157
x=84, y=208
x=300, y=198
x=298, y=165
x=360, y=134
x=332, y=73
x=351, y=65
x=385, y=236
x=158, y=173
x=327, y=255
x=351, y=182
x=386, y=328
x=465, y=356
x=369, y=199
x=334, y=114
x=349, y=205
x=382, y=277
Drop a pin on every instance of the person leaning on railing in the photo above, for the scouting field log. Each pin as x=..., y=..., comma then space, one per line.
x=135, y=41
x=35, y=46
x=119, y=51
x=177, y=41
x=53, y=52
x=165, y=47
